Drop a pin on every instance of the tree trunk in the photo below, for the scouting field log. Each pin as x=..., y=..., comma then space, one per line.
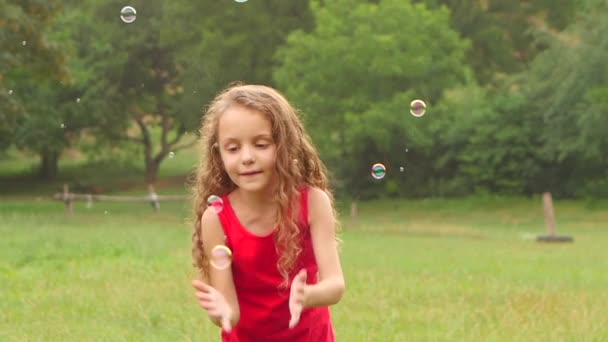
x=49, y=165
x=151, y=171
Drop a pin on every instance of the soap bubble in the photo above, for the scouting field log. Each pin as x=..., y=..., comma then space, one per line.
x=216, y=202
x=171, y=154
x=128, y=14
x=417, y=108
x=221, y=257
x=378, y=171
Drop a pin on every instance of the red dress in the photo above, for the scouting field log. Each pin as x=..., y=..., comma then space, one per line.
x=264, y=307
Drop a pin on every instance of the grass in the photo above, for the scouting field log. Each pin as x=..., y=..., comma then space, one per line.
x=431, y=270
x=18, y=175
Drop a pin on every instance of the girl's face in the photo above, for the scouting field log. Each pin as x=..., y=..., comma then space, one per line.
x=247, y=149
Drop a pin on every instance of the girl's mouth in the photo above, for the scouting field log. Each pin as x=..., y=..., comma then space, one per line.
x=250, y=173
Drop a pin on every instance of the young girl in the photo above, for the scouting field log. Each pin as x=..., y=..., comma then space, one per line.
x=278, y=219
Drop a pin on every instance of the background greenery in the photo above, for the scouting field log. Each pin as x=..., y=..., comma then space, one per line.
x=517, y=104
x=516, y=90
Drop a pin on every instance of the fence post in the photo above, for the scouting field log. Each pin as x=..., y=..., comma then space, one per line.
x=353, y=211
x=153, y=198
x=550, y=222
x=67, y=199
x=89, y=201
x=549, y=214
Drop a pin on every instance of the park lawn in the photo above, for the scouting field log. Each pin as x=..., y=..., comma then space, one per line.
x=426, y=270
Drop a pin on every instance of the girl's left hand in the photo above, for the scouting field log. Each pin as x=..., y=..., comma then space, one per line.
x=297, y=297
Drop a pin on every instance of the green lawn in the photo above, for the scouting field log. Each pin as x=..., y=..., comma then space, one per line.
x=431, y=270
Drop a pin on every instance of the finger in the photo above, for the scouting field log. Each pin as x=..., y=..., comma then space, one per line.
x=204, y=296
x=201, y=286
x=207, y=305
x=226, y=325
x=300, y=278
x=295, y=318
x=303, y=276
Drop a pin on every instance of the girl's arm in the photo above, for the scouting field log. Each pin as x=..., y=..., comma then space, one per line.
x=329, y=289
x=213, y=235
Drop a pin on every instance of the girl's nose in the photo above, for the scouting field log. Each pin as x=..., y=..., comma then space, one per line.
x=247, y=156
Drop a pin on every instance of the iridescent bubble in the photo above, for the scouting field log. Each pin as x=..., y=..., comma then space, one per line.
x=128, y=14
x=221, y=257
x=171, y=154
x=216, y=202
x=417, y=108
x=378, y=171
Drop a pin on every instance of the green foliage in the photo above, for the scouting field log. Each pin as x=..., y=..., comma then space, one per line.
x=500, y=31
x=355, y=74
x=24, y=27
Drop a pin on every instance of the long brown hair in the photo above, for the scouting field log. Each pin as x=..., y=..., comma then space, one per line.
x=297, y=165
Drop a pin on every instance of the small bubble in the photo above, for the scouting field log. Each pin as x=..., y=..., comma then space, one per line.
x=406, y=150
x=128, y=14
x=171, y=154
x=221, y=257
x=216, y=202
x=10, y=91
x=105, y=212
x=401, y=169
x=417, y=108
x=240, y=1
x=78, y=100
x=24, y=43
x=378, y=171
x=62, y=125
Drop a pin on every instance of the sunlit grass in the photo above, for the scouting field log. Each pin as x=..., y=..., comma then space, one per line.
x=435, y=270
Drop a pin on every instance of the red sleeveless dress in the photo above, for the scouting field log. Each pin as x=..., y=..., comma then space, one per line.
x=264, y=306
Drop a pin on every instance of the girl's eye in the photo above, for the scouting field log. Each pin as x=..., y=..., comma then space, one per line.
x=232, y=149
x=262, y=145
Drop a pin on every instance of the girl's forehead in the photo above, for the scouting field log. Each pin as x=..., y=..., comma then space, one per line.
x=242, y=122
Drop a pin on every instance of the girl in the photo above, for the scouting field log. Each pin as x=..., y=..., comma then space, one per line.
x=278, y=218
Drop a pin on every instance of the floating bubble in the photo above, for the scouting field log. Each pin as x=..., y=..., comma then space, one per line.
x=406, y=150
x=240, y=1
x=105, y=212
x=401, y=169
x=62, y=125
x=378, y=171
x=171, y=154
x=24, y=43
x=216, y=202
x=10, y=91
x=78, y=100
x=417, y=108
x=221, y=257
x=128, y=14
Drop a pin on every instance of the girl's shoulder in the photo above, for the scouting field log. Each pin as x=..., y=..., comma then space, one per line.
x=319, y=202
x=316, y=194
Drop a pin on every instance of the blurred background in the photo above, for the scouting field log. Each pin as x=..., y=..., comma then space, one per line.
x=106, y=99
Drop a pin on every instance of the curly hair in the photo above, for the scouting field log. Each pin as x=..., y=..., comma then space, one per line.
x=297, y=164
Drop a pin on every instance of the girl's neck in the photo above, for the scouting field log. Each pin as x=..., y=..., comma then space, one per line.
x=255, y=200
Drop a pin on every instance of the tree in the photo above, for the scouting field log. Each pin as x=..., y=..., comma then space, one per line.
x=355, y=74
x=150, y=78
x=500, y=31
x=23, y=30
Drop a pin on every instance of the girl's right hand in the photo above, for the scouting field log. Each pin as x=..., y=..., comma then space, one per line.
x=215, y=303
